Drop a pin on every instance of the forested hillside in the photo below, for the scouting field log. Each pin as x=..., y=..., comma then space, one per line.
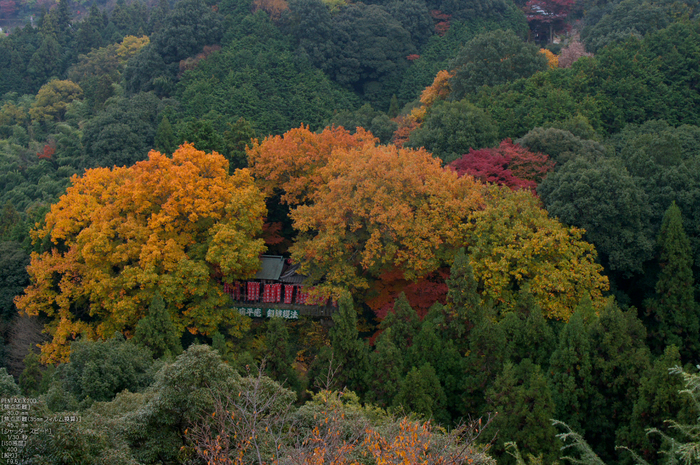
x=498, y=201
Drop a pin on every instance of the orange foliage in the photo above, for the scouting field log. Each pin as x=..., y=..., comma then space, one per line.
x=119, y=235
x=378, y=208
x=407, y=124
x=438, y=90
x=552, y=59
x=291, y=162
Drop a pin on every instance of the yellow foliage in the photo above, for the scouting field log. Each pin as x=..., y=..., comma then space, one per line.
x=130, y=46
x=515, y=246
x=119, y=235
x=552, y=59
x=53, y=99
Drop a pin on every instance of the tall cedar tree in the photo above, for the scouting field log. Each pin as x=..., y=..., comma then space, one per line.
x=385, y=372
x=674, y=308
x=349, y=351
x=570, y=371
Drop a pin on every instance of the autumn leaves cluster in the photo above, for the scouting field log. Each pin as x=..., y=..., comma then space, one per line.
x=363, y=213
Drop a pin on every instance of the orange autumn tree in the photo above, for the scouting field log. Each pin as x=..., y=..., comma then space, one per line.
x=118, y=236
x=290, y=163
x=381, y=208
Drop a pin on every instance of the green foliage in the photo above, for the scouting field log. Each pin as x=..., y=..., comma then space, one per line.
x=350, y=352
x=658, y=402
x=421, y=393
x=603, y=198
x=524, y=404
x=157, y=332
x=571, y=371
x=366, y=117
x=452, y=128
x=674, y=309
x=8, y=387
x=386, y=367
x=403, y=322
x=620, y=359
x=13, y=276
x=561, y=145
x=181, y=394
x=237, y=138
x=123, y=133
x=32, y=375
x=260, y=79
x=165, y=140
x=279, y=362
x=491, y=59
x=99, y=370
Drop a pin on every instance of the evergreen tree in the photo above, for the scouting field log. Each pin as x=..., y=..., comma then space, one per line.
x=674, y=308
x=157, y=331
x=385, y=371
x=529, y=334
x=525, y=409
x=165, y=141
x=236, y=138
x=570, y=371
x=404, y=323
x=620, y=358
x=421, y=393
x=8, y=387
x=483, y=362
x=463, y=300
x=658, y=402
x=31, y=376
x=280, y=358
x=349, y=351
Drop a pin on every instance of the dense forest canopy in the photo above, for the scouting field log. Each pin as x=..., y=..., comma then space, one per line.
x=499, y=200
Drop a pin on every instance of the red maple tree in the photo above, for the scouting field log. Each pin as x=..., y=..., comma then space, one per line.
x=508, y=164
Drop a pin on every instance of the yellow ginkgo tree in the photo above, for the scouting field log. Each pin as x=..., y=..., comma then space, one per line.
x=174, y=225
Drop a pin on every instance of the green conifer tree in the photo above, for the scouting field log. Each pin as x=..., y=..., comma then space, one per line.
x=570, y=373
x=404, y=323
x=483, y=361
x=385, y=371
x=421, y=393
x=464, y=304
x=350, y=353
x=658, y=402
x=674, y=308
x=236, y=138
x=165, y=141
x=525, y=409
x=31, y=376
x=157, y=331
x=619, y=359
x=280, y=358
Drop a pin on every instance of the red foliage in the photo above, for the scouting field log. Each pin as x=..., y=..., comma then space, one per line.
x=412, y=57
x=47, y=153
x=508, y=164
x=421, y=294
x=442, y=21
x=8, y=8
x=406, y=126
x=192, y=62
x=548, y=11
